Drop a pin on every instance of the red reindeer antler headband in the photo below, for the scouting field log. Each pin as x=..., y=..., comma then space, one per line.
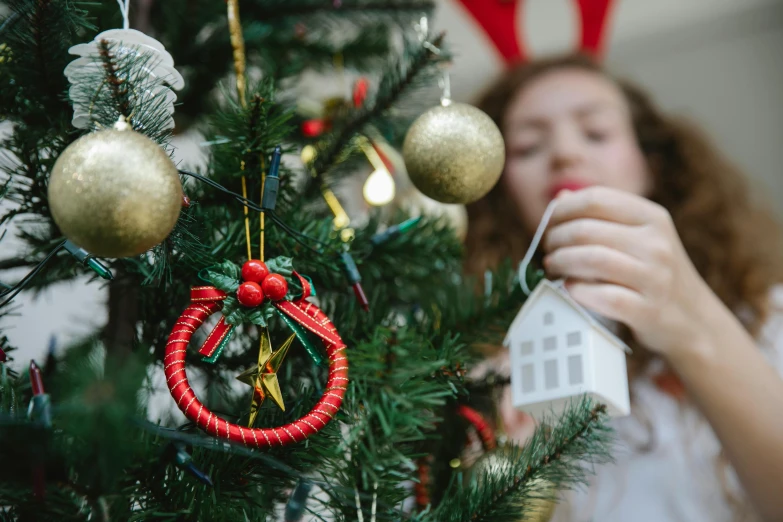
x=498, y=18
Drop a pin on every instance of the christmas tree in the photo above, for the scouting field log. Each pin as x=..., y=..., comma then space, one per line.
x=364, y=357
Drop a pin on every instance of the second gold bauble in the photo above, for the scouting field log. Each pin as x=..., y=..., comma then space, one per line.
x=115, y=193
x=454, y=153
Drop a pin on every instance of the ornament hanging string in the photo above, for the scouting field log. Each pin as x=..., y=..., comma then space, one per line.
x=445, y=85
x=238, y=47
x=124, y=5
x=534, y=245
x=422, y=28
x=247, y=215
x=267, y=206
x=298, y=236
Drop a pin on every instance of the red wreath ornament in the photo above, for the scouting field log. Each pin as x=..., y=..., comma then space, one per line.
x=207, y=300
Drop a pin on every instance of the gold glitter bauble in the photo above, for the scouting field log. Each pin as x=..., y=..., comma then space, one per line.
x=115, y=193
x=454, y=154
x=540, y=508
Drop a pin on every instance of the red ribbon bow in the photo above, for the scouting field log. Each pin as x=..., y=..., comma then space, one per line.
x=205, y=300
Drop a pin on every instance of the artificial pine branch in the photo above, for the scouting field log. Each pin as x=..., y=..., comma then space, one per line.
x=485, y=308
x=119, y=91
x=36, y=38
x=363, y=52
x=275, y=43
x=14, y=262
x=44, y=29
x=38, y=26
x=100, y=447
x=391, y=402
x=236, y=134
x=555, y=456
x=8, y=22
x=396, y=82
x=273, y=9
x=551, y=456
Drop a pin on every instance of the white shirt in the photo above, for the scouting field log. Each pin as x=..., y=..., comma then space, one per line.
x=680, y=477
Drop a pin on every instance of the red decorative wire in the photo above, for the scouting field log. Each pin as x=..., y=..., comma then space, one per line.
x=480, y=424
x=488, y=443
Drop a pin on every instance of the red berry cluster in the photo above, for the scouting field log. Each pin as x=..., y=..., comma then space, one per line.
x=258, y=283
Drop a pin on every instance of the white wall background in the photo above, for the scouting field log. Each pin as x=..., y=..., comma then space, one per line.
x=719, y=61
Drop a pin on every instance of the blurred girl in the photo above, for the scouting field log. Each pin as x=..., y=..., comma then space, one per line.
x=653, y=229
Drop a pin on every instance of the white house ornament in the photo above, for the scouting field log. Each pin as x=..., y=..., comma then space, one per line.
x=559, y=350
x=153, y=74
x=454, y=153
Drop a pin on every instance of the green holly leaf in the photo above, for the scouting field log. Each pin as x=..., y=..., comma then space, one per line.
x=230, y=303
x=225, y=276
x=235, y=317
x=269, y=311
x=281, y=265
x=257, y=316
x=233, y=312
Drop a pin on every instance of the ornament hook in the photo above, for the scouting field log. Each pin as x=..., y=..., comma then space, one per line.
x=445, y=84
x=422, y=29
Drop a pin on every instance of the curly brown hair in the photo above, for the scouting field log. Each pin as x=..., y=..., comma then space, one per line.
x=732, y=242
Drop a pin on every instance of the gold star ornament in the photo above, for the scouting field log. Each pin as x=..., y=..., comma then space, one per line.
x=263, y=377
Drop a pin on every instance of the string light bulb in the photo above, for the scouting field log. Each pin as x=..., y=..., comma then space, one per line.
x=379, y=189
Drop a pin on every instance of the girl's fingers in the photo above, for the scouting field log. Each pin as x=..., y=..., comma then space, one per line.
x=589, y=231
x=612, y=301
x=596, y=263
x=607, y=204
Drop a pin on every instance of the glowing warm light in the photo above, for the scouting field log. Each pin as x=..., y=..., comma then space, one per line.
x=379, y=188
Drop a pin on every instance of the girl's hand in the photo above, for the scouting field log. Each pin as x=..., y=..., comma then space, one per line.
x=622, y=258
